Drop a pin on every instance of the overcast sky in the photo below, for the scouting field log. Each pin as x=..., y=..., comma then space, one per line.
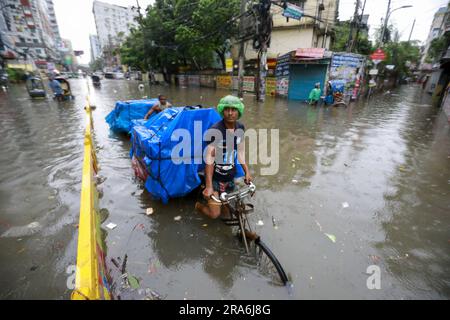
x=76, y=20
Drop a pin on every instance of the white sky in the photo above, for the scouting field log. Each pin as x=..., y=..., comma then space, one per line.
x=76, y=20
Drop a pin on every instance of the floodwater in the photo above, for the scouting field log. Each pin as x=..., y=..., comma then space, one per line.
x=373, y=177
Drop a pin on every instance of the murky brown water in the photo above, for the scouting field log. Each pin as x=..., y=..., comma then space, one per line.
x=375, y=175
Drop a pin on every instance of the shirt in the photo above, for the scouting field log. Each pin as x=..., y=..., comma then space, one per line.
x=315, y=94
x=225, y=159
x=56, y=87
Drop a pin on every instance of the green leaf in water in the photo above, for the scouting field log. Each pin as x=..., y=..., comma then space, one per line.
x=332, y=237
x=134, y=282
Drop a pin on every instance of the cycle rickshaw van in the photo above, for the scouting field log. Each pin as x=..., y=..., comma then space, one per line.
x=96, y=81
x=36, y=88
x=168, y=170
x=65, y=85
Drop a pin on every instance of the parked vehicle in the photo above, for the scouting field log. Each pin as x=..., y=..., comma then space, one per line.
x=96, y=81
x=36, y=88
x=109, y=75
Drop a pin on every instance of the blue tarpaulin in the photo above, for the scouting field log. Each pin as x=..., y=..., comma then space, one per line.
x=338, y=85
x=153, y=147
x=120, y=119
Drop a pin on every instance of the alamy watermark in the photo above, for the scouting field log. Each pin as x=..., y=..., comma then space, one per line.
x=263, y=146
x=374, y=280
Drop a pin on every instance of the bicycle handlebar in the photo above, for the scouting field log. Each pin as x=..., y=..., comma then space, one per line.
x=240, y=194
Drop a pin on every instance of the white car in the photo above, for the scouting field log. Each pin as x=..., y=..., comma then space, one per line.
x=119, y=75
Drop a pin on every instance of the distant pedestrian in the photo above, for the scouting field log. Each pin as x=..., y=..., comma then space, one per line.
x=314, y=96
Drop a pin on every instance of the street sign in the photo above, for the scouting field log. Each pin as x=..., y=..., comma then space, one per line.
x=293, y=11
x=373, y=72
x=229, y=65
x=378, y=55
x=390, y=67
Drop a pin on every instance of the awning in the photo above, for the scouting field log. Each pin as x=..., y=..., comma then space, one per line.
x=310, y=53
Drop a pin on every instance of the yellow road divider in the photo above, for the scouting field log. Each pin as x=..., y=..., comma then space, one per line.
x=92, y=279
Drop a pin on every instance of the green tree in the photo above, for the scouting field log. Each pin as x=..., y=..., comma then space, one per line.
x=402, y=55
x=438, y=46
x=97, y=64
x=342, y=31
x=182, y=33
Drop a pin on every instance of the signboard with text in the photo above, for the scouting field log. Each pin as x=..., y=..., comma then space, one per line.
x=310, y=53
x=378, y=55
x=293, y=11
x=229, y=65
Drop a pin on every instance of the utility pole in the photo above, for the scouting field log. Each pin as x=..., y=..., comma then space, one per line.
x=241, y=52
x=352, y=25
x=412, y=29
x=264, y=33
x=358, y=27
x=385, y=23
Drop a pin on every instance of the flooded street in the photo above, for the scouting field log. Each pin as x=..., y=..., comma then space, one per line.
x=358, y=186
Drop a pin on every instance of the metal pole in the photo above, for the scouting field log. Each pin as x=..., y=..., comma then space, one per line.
x=412, y=29
x=262, y=72
x=353, y=23
x=241, y=52
x=385, y=23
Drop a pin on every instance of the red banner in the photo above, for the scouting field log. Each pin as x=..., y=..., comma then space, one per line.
x=310, y=53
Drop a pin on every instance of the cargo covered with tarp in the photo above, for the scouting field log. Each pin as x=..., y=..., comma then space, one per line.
x=120, y=119
x=168, y=159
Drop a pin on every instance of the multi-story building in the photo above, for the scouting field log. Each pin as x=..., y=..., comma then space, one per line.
x=96, y=51
x=438, y=27
x=113, y=23
x=30, y=28
x=313, y=30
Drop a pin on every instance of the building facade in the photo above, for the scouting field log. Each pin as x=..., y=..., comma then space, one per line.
x=314, y=30
x=96, y=51
x=436, y=30
x=30, y=29
x=113, y=23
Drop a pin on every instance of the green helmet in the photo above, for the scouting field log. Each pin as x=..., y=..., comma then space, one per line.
x=231, y=102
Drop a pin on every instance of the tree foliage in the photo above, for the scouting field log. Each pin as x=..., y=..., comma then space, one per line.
x=181, y=33
x=97, y=64
x=402, y=55
x=342, y=31
x=438, y=47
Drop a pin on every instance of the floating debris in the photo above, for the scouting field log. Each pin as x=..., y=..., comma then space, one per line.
x=345, y=205
x=111, y=226
x=177, y=218
x=205, y=225
x=295, y=181
x=150, y=211
x=274, y=223
x=318, y=224
x=260, y=223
